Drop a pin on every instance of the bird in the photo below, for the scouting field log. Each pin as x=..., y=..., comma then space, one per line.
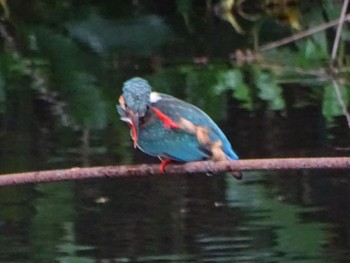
x=169, y=128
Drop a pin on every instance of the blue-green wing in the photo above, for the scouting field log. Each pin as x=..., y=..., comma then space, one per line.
x=176, y=109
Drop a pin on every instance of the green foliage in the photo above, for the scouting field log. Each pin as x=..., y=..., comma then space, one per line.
x=86, y=102
x=269, y=90
x=332, y=104
x=263, y=80
x=13, y=68
x=233, y=80
x=66, y=76
x=331, y=8
x=201, y=82
x=311, y=53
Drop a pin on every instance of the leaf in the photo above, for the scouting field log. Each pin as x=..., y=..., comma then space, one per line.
x=199, y=89
x=331, y=106
x=233, y=80
x=74, y=85
x=311, y=53
x=86, y=103
x=140, y=35
x=269, y=90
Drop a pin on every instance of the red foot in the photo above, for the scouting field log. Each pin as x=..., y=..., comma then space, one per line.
x=164, y=164
x=168, y=123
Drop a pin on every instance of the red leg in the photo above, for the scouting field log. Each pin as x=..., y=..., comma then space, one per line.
x=164, y=164
x=168, y=123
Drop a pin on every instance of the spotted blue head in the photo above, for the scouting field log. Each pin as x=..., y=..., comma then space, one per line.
x=134, y=103
x=136, y=93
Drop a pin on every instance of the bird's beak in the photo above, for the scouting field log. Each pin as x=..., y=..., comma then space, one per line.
x=134, y=127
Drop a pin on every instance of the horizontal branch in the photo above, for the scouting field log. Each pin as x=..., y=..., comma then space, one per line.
x=187, y=168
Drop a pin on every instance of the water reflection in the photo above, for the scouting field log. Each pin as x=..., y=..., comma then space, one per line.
x=289, y=217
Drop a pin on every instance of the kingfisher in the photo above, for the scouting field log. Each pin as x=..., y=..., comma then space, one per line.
x=171, y=129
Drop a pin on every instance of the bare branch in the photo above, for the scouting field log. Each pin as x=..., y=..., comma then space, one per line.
x=187, y=168
x=303, y=34
x=339, y=29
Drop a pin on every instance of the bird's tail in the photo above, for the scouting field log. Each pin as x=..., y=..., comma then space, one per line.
x=219, y=155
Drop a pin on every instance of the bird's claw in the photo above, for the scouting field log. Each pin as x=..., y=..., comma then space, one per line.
x=164, y=164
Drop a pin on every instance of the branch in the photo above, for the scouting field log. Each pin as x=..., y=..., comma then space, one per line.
x=303, y=34
x=339, y=29
x=187, y=168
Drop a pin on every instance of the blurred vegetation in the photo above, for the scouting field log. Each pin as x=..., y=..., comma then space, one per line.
x=65, y=49
x=62, y=65
x=72, y=58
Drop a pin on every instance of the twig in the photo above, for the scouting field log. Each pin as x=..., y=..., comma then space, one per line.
x=339, y=29
x=188, y=168
x=303, y=34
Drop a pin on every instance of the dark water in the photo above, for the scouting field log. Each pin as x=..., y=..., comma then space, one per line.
x=272, y=110
x=294, y=216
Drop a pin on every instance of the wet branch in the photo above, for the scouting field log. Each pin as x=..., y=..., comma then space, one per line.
x=188, y=168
